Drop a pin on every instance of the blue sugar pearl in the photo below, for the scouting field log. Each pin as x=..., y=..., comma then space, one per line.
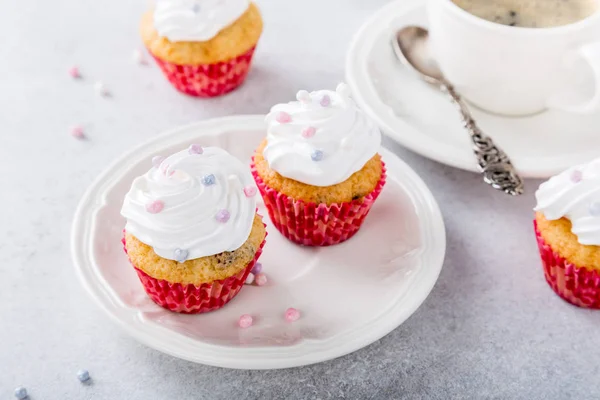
x=317, y=155
x=208, y=180
x=21, y=393
x=83, y=375
x=196, y=8
x=595, y=209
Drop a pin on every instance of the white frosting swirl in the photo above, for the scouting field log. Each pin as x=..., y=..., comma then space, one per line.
x=196, y=20
x=188, y=223
x=574, y=194
x=321, y=139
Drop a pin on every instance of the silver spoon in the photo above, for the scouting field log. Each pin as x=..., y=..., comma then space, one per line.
x=410, y=46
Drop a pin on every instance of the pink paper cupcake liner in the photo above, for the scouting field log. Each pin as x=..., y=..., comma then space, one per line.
x=208, y=80
x=312, y=224
x=577, y=285
x=193, y=299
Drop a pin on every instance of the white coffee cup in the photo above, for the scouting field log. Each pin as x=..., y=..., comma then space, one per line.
x=513, y=70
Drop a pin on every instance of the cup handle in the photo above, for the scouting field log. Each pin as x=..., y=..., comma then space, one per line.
x=590, y=53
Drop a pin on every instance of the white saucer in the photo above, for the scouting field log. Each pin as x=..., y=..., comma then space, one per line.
x=349, y=295
x=420, y=118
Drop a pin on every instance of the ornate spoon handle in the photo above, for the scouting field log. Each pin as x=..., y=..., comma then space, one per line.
x=493, y=163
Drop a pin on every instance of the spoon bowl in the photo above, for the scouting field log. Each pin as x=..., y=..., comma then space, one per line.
x=410, y=46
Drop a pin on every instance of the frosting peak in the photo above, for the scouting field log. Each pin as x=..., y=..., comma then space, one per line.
x=574, y=194
x=195, y=203
x=196, y=20
x=321, y=139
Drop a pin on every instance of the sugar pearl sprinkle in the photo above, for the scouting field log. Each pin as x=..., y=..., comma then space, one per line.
x=222, y=216
x=154, y=207
x=83, y=375
x=257, y=268
x=303, y=97
x=74, y=72
x=325, y=100
x=139, y=57
x=208, y=180
x=317, y=155
x=157, y=160
x=260, y=279
x=101, y=89
x=576, y=176
x=180, y=255
x=249, y=279
x=245, y=321
x=21, y=393
x=77, y=132
x=291, y=315
x=195, y=149
x=250, y=191
x=283, y=117
x=594, y=209
x=309, y=132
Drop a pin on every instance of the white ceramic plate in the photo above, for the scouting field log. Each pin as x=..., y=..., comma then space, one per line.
x=420, y=118
x=350, y=295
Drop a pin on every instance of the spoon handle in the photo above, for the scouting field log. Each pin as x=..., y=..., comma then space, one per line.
x=493, y=163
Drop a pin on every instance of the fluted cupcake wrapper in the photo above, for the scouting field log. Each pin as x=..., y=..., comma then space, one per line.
x=207, y=80
x=194, y=299
x=312, y=224
x=577, y=285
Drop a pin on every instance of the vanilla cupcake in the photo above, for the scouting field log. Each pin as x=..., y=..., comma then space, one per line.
x=192, y=231
x=204, y=47
x=567, y=225
x=318, y=169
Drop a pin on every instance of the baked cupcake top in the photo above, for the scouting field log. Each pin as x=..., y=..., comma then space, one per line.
x=321, y=139
x=196, y=20
x=575, y=195
x=196, y=203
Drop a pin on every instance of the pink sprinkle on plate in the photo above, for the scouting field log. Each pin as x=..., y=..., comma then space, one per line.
x=245, y=321
x=292, y=315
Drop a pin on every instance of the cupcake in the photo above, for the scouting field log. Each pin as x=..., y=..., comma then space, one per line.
x=567, y=225
x=204, y=47
x=318, y=169
x=192, y=231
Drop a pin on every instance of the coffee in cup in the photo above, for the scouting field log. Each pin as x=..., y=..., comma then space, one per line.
x=530, y=13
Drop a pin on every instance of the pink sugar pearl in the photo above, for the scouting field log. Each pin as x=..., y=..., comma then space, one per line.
x=154, y=207
x=195, y=149
x=576, y=176
x=283, y=117
x=77, y=132
x=250, y=191
x=309, y=132
x=245, y=321
x=291, y=315
x=74, y=72
x=325, y=101
x=260, y=279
